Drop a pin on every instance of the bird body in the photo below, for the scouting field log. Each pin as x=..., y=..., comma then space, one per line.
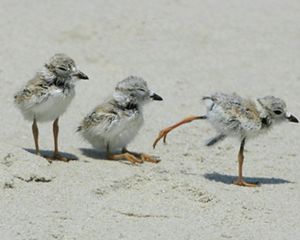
x=232, y=115
x=43, y=100
x=111, y=127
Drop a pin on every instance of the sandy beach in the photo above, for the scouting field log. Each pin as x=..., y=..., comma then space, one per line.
x=184, y=50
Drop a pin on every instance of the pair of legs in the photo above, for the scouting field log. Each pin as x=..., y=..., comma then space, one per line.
x=132, y=157
x=56, y=155
x=163, y=134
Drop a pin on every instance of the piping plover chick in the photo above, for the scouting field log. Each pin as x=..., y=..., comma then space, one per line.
x=111, y=126
x=232, y=115
x=47, y=96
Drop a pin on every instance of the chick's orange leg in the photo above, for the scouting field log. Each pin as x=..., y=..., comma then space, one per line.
x=163, y=133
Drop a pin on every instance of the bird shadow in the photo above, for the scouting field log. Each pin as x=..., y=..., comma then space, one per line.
x=48, y=153
x=228, y=179
x=92, y=153
x=98, y=155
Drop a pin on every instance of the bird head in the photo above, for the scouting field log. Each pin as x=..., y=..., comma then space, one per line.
x=276, y=109
x=134, y=90
x=64, y=67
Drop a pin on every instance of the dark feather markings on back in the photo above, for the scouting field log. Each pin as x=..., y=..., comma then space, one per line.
x=206, y=97
x=94, y=119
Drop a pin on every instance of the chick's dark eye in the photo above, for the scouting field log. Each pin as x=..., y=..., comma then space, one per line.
x=62, y=68
x=278, y=112
x=142, y=90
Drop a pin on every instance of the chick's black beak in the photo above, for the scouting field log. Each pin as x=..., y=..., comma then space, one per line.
x=156, y=97
x=81, y=75
x=292, y=118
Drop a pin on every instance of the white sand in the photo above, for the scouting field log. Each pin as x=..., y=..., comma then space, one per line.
x=184, y=49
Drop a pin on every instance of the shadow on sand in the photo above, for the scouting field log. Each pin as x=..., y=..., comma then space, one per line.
x=228, y=179
x=47, y=153
x=92, y=153
x=98, y=155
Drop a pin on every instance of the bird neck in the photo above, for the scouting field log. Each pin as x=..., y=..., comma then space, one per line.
x=63, y=82
x=53, y=79
x=131, y=106
x=265, y=117
x=125, y=102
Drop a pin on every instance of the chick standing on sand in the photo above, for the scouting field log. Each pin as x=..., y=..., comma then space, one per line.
x=232, y=115
x=111, y=126
x=47, y=96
